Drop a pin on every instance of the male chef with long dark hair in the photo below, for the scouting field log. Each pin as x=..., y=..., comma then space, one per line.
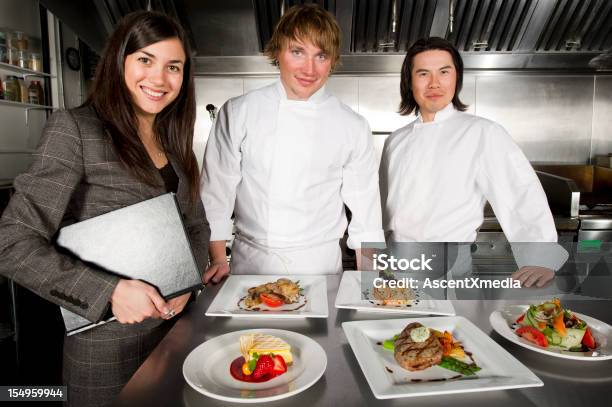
x=286, y=158
x=438, y=171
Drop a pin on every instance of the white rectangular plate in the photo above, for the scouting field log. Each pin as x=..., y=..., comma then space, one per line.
x=225, y=303
x=349, y=296
x=388, y=379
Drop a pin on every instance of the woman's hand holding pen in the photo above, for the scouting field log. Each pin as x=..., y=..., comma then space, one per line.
x=134, y=301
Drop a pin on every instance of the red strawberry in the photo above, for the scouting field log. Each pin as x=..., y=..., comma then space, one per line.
x=264, y=366
x=280, y=366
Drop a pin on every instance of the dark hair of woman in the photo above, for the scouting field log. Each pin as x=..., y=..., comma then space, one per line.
x=408, y=103
x=110, y=98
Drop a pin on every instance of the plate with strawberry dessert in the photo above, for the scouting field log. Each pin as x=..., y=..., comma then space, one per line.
x=255, y=365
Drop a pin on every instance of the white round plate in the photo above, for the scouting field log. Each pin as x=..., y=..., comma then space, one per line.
x=502, y=320
x=207, y=368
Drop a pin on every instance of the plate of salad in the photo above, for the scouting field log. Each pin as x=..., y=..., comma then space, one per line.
x=554, y=330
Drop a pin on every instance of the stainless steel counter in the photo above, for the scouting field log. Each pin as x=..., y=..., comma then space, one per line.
x=160, y=382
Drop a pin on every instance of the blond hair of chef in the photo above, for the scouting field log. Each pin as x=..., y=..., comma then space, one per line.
x=438, y=172
x=285, y=159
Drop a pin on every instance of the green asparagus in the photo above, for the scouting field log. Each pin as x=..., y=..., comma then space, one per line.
x=389, y=344
x=467, y=369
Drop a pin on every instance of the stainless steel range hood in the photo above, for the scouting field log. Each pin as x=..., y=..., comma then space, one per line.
x=229, y=35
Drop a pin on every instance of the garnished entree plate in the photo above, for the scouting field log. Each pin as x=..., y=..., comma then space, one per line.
x=352, y=294
x=430, y=356
x=264, y=296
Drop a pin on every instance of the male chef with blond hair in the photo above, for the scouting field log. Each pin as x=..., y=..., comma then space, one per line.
x=286, y=158
x=438, y=171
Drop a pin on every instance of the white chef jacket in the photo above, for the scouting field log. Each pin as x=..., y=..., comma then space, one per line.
x=437, y=176
x=286, y=168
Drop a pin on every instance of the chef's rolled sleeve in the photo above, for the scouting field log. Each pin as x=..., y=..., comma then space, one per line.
x=221, y=173
x=360, y=190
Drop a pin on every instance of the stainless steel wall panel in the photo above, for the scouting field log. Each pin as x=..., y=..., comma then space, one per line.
x=379, y=99
x=215, y=91
x=367, y=64
x=346, y=88
x=234, y=65
x=602, y=116
x=550, y=117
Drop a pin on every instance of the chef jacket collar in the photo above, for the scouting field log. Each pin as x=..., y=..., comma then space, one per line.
x=441, y=115
x=316, y=98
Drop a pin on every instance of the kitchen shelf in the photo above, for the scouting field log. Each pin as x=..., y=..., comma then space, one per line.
x=25, y=105
x=23, y=71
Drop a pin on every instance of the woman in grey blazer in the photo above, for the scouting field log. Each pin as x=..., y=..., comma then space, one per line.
x=130, y=141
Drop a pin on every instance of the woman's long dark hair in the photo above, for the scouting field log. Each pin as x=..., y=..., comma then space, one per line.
x=111, y=99
x=408, y=103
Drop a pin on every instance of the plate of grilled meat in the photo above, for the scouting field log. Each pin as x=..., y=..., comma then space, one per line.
x=432, y=356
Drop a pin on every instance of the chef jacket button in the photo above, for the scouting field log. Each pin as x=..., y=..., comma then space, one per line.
x=54, y=293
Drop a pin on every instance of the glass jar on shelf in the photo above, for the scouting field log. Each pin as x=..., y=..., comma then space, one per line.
x=12, y=90
x=35, y=63
x=36, y=93
x=22, y=59
x=19, y=40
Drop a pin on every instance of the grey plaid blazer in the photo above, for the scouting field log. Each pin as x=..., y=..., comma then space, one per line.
x=76, y=175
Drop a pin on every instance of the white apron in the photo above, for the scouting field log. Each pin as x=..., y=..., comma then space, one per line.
x=249, y=257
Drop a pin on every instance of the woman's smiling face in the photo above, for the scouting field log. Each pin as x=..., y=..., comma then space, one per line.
x=154, y=76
